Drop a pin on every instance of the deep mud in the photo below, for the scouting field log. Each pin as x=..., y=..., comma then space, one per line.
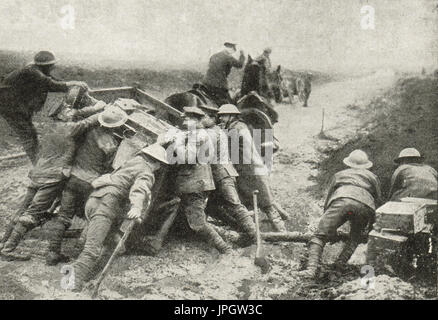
x=189, y=269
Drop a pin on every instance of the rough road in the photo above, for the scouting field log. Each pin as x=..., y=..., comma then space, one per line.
x=191, y=270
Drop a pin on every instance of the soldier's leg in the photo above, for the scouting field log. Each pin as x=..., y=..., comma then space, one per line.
x=42, y=201
x=193, y=205
x=247, y=184
x=332, y=219
x=30, y=193
x=101, y=213
x=31, y=218
x=25, y=130
x=228, y=191
x=359, y=216
x=75, y=193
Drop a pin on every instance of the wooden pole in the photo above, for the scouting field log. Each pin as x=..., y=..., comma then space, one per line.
x=322, y=122
x=13, y=156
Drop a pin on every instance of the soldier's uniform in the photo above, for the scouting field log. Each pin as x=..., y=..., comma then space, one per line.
x=224, y=175
x=194, y=182
x=26, y=94
x=127, y=187
x=413, y=180
x=253, y=174
x=48, y=176
x=93, y=158
x=215, y=80
x=265, y=62
x=353, y=196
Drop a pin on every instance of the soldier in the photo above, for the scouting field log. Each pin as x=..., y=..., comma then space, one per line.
x=128, y=186
x=75, y=115
x=353, y=196
x=93, y=159
x=413, y=178
x=48, y=176
x=265, y=60
x=224, y=175
x=195, y=181
x=219, y=68
x=27, y=94
x=253, y=174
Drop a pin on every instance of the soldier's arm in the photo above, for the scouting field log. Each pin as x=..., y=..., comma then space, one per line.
x=331, y=189
x=140, y=193
x=379, y=198
x=80, y=127
x=395, y=183
x=49, y=83
x=237, y=63
x=89, y=111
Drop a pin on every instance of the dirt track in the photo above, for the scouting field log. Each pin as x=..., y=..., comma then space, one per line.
x=191, y=270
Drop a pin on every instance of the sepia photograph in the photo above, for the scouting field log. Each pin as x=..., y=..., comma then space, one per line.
x=200, y=150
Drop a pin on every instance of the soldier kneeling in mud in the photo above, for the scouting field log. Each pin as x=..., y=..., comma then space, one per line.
x=353, y=196
x=47, y=178
x=105, y=208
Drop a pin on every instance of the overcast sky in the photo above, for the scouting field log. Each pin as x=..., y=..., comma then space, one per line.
x=317, y=34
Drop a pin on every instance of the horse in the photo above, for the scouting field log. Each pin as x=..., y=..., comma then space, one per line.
x=298, y=85
x=275, y=81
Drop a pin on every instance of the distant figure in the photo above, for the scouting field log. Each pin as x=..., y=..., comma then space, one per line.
x=265, y=60
x=26, y=93
x=218, y=71
x=412, y=178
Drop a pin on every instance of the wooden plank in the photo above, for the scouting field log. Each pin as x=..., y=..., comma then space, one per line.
x=111, y=94
x=13, y=156
x=144, y=97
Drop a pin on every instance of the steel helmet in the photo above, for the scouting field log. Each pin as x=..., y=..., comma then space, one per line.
x=230, y=44
x=157, y=152
x=267, y=50
x=194, y=110
x=112, y=117
x=44, y=58
x=358, y=159
x=228, y=109
x=408, y=153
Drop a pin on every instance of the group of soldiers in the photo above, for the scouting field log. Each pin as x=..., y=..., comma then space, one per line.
x=353, y=196
x=72, y=161
x=72, y=168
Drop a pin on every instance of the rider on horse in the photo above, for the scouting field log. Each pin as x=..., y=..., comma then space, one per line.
x=219, y=67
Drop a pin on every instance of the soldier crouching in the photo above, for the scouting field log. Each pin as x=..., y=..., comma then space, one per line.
x=106, y=206
x=48, y=176
x=93, y=159
x=352, y=196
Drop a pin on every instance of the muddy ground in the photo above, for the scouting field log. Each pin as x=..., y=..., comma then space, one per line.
x=189, y=269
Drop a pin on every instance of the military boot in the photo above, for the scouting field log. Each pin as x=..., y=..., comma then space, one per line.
x=215, y=239
x=316, y=247
x=81, y=275
x=345, y=255
x=275, y=219
x=14, y=239
x=247, y=225
x=54, y=255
